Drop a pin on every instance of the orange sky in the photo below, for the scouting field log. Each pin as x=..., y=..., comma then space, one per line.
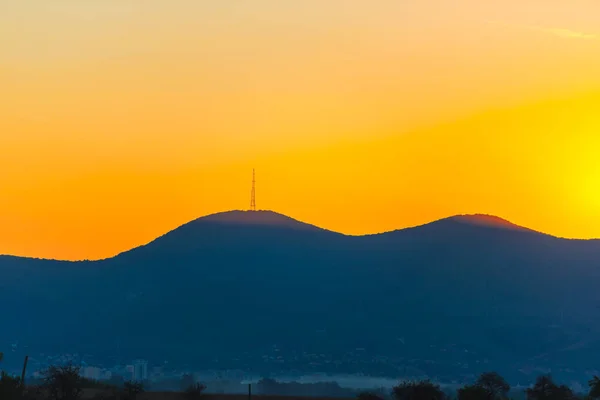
x=122, y=119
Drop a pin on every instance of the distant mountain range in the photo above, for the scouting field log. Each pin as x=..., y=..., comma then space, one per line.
x=264, y=292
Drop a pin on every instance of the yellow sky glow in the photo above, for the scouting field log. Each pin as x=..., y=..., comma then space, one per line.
x=122, y=119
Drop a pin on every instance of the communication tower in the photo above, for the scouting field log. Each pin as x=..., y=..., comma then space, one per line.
x=253, y=194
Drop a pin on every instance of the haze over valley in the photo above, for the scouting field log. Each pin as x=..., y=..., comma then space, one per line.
x=422, y=181
x=266, y=294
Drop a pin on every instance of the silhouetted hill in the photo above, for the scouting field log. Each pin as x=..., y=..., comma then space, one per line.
x=457, y=296
x=489, y=221
x=256, y=218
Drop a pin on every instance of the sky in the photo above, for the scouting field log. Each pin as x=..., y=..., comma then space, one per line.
x=123, y=119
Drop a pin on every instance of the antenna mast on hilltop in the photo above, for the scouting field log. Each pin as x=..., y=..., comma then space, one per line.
x=253, y=194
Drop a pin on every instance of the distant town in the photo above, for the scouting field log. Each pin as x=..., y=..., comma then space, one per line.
x=356, y=369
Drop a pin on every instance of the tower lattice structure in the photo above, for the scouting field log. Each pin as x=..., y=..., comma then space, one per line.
x=253, y=194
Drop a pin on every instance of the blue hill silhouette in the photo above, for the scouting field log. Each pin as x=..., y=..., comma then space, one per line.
x=451, y=298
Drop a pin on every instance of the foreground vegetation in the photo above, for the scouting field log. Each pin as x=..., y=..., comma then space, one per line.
x=489, y=386
x=66, y=383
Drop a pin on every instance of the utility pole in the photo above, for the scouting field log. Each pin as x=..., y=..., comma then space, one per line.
x=24, y=369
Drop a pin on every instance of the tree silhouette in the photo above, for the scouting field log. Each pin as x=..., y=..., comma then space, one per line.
x=10, y=387
x=594, y=384
x=473, y=392
x=496, y=386
x=422, y=390
x=195, y=391
x=63, y=383
x=546, y=389
x=131, y=390
x=368, y=396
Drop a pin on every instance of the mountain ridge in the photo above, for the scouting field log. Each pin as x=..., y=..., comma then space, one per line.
x=212, y=289
x=275, y=219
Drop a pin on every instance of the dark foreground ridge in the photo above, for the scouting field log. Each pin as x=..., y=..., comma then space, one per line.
x=66, y=382
x=261, y=292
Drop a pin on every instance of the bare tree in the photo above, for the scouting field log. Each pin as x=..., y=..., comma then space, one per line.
x=63, y=383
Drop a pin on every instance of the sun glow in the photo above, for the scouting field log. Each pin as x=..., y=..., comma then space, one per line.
x=122, y=119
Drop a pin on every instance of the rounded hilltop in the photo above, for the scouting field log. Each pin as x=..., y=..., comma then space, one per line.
x=274, y=219
x=259, y=217
x=487, y=220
